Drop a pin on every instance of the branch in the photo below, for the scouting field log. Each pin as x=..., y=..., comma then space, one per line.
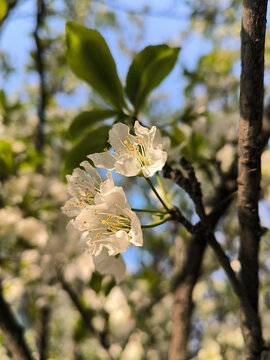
x=85, y=317
x=188, y=260
x=192, y=186
x=41, y=12
x=12, y=331
x=44, y=332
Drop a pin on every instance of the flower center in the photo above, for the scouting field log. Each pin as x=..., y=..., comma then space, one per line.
x=138, y=148
x=107, y=224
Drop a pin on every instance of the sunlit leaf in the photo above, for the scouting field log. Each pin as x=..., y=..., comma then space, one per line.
x=3, y=9
x=147, y=70
x=91, y=60
x=93, y=141
x=86, y=120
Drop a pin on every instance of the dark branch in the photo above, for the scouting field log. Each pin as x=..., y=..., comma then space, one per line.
x=44, y=332
x=42, y=102
x=85, y=317
x=13, y=332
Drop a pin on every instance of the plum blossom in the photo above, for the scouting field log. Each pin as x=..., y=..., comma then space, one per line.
x=139, y=154
x=83, y=187
x=102, y=213
x=110, y=223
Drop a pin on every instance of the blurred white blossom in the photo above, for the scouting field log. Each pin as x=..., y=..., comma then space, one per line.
x=33, y=231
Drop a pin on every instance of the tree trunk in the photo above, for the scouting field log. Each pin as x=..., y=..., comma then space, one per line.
x=249, y=170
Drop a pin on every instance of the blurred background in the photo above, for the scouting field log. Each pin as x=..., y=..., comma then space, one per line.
x=67, y=310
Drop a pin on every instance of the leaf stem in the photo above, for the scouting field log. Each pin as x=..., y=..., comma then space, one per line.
x=163, y=191
x=156, y=223
x=150, y=211
x=157, y=194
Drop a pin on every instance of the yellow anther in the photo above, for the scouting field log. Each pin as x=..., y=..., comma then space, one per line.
x=113, y=202
x=126, y=142
x=105, y=149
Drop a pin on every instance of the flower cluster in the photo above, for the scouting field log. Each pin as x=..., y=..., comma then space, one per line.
x=100, y=210
x=139, y=154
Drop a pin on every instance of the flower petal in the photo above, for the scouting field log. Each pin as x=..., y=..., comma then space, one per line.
x=127, y=166
x=118, y=131
x=106, y=264
x=104, y=160
x=91, y=171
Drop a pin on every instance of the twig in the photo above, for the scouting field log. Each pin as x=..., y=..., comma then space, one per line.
x=13, y=332
x=85, y=317
x=41, y=12
x=44, y=332
x=192, y=186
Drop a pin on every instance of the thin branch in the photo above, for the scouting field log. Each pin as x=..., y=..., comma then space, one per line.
x=85, y=317
x=44, y=332
x=40, y=16
x=13, y=332
x=188, y=259
x=192, y=186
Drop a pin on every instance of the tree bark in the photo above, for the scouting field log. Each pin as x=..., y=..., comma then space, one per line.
x=188, y=268
x=249, y=169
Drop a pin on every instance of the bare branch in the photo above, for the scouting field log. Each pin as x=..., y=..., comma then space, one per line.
x=85, y=316
x=13, y=332
x=41, y=13
x=44, y=332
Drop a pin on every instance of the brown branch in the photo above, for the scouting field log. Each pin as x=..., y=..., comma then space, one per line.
x=188, y=260
x=85, y=317
x=12, y=332
x=41, y=13
x=249, y=159
x=44, y=332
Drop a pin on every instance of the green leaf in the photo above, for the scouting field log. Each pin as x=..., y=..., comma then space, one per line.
x=93, y=141
x=6, y=158
x=147, y=70
x=3, y=8
x=91, y=60
x=87, y=120
x=178, y=135
x=96, y=282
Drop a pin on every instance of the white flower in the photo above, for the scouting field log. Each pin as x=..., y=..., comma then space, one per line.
x=83, y=187
x=110, y=223
x=106, y=264
x=142, y=153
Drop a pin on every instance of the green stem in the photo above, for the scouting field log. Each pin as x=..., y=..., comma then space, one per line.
x=163, y=191
x=150, y=211
x=157, y=194
x=156, y=223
